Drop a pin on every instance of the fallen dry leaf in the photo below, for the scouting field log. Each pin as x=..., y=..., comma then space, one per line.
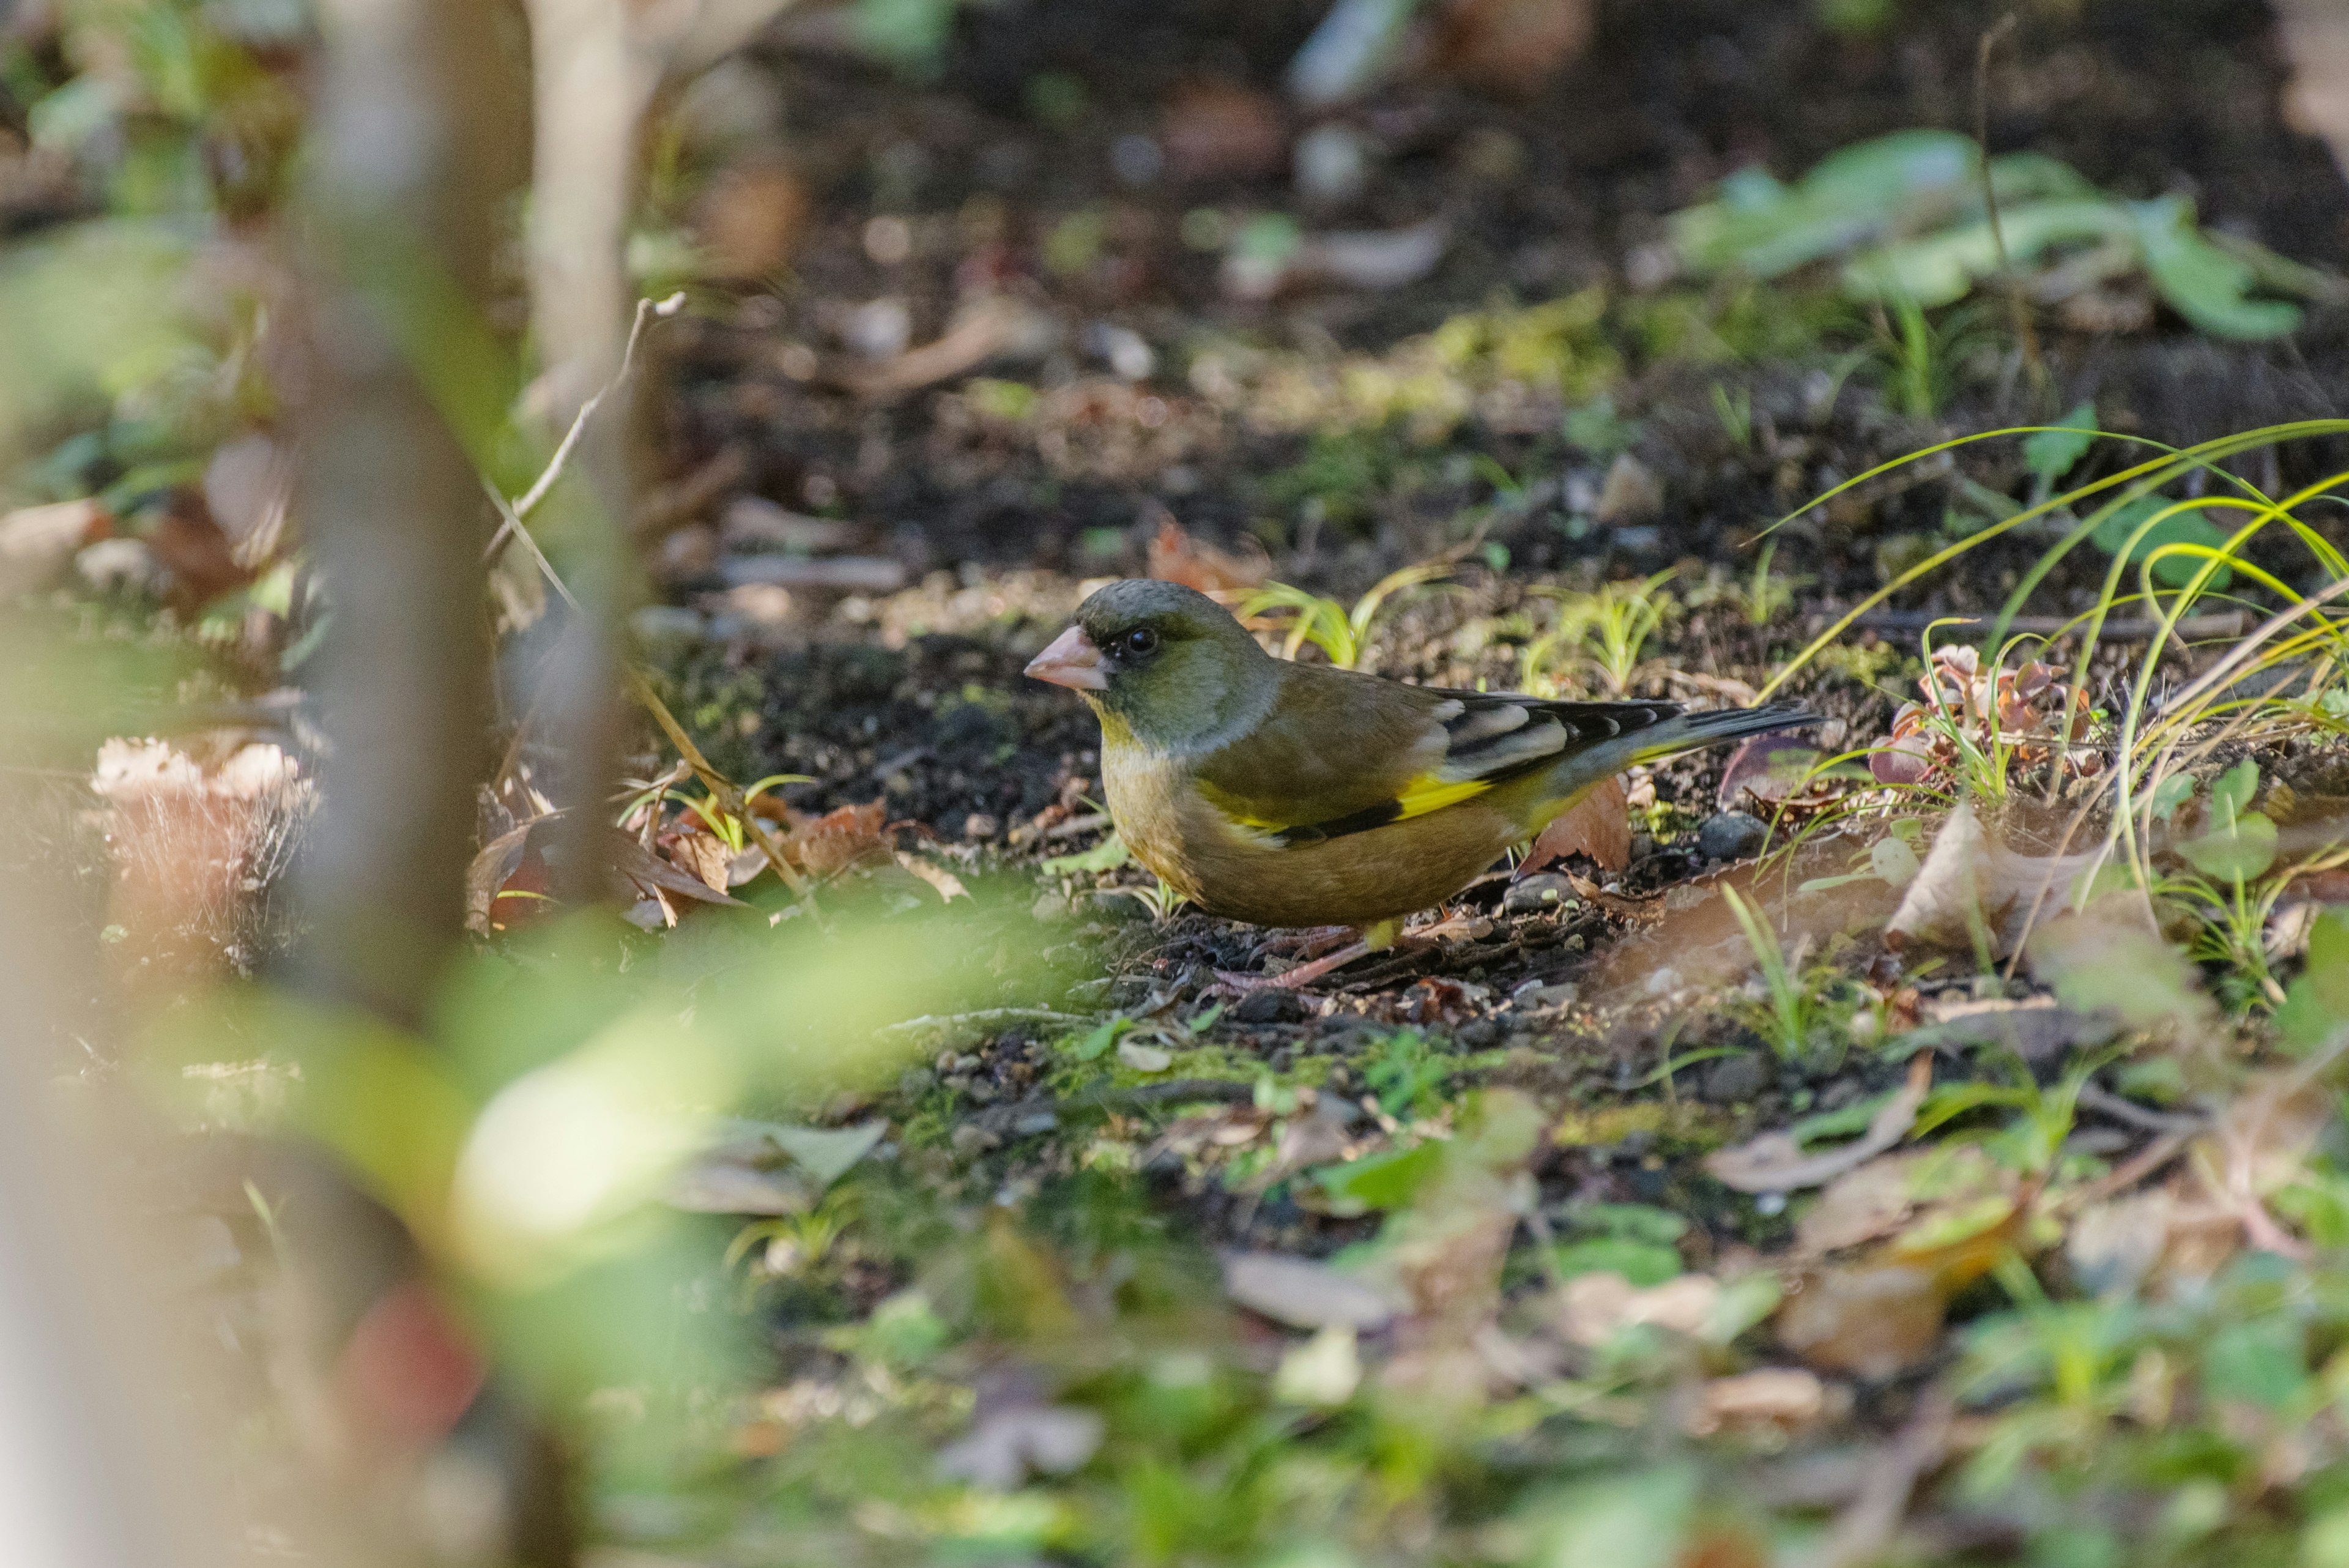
x=1512, y=46
x=1593, y=1308
x=1767, y=771
x=702, y=855
x=1878, y=1318
x=2037, y=1028
x=950, y=886
x=37, y=544
x=198, y=557
x=988, y=325
x=1176, y=557
x=1870, y=1321
x=2315, y=35
x=1303, y=1293
x=1775, y=1163
x=1784, y=1398
x=1599, y=825
x=1219, y=131
x=839, y=838
x=1972, y=886
x=751, y=219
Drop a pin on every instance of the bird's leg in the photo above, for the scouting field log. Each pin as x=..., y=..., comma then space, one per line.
x=1295, y=979
x=1307, y=941
x=1368, y=939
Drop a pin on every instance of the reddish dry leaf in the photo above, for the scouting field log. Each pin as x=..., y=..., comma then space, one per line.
x=1972, y=884
x=1176, y=557
x=1216, y=130
x=193, y=549
x=1766, y=771
x=1512, y=46
x=751, y=220
x=1599, y=825
x=839, y=838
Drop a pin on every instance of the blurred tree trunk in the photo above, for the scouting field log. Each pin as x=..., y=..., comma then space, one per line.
x=418, y=144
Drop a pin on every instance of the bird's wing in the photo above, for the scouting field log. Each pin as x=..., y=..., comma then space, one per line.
x=1343, y=753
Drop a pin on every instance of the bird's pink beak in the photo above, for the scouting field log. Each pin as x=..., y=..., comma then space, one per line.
x=1072, y=662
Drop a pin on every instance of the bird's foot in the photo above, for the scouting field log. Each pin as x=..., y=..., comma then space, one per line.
x=1307, y=941
x=1295, y=979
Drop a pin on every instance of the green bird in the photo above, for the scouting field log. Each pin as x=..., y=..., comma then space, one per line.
x=1294, y=795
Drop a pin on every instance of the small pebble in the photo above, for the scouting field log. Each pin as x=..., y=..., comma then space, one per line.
x=1270, y=1007
x=1732, y=836
x=1733, y=1080
x=1537, y=894
x=978, y=826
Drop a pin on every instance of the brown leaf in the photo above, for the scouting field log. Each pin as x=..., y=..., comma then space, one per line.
x=1218, y=130
x=1592, y=1308
x=751, y=218
x=1972, y=883
x=1871, y=1322
x=192, y=547
x=1512, y=46
x=1784, y=1399
x=654, y=876
x=1176, y=557
x=839, y=838
x=1775, y=1163
x=703, y=855
x=1599, y=825
x=1770, y=769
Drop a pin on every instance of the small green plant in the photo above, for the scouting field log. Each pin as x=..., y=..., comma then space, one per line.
x=730, y=828
x=1408, y=1076
x=1768, y=596
x=1341, y=634
x=2231, y=895
x=1161, y=899
x=1919, y=355
x=1735, y=412
x=1609, y=630
x=1791, y=1018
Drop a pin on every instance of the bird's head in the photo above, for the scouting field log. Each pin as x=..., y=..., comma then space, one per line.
x=1166, y=662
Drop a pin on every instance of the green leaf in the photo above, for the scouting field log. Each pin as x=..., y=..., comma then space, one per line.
x=1386, y=1181
x=2260, y=1361
x=2053, y=454
x=2306, y=1022
x=2202, y=283
x=1642, y=1263
x=1107, y=855
x=1632, y=1223
x=1095, y=1045
x=824, y=1153
x=2231, y=795
x=2236, y=851
x=2169, y=795
x=2328, y=959
x=2185, y=526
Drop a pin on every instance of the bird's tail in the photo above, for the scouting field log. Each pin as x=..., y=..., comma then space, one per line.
x=1687, y=731
x=1578, y=771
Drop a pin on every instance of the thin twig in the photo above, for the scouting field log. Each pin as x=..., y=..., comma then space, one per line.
x=517, y=511
x=2026, y=332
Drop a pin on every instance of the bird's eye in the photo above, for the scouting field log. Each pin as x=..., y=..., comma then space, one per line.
x=1141, y=643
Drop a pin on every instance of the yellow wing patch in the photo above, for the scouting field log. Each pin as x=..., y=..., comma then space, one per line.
x=1427, y=793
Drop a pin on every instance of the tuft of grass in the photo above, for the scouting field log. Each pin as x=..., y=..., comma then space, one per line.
x=1342, y=634
x=1608, y=631
x=1792, y=1019
x=2268, y=685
